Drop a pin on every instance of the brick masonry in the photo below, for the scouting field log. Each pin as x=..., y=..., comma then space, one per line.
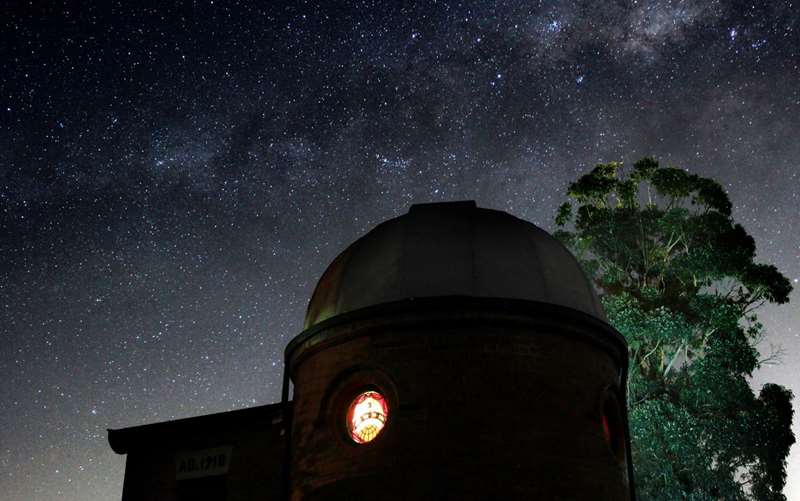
x=482, y=406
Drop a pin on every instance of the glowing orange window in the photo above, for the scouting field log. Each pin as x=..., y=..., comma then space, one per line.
x=366, y=416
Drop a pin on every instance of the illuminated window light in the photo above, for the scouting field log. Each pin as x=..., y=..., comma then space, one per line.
x=366, y=416
x=606, y=430
x=612, y=427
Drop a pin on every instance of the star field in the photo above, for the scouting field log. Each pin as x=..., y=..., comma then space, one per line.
x=173, y=181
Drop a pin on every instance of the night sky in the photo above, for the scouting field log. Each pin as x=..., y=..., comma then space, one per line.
x=173, y=181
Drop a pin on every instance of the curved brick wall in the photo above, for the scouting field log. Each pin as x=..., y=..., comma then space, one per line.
x=486, y=403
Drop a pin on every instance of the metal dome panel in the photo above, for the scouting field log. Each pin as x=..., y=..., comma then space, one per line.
x=452, y=249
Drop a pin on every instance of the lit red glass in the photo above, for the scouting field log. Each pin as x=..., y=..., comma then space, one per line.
x=367, y=416
x=606, y=430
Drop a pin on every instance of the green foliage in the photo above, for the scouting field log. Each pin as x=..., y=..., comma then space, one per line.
x=678, y=279
x=564, y=213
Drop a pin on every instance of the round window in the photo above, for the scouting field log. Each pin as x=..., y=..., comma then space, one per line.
x=613, y=428
x=366, y=416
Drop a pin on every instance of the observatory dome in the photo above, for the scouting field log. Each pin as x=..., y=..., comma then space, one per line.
x=452, y=249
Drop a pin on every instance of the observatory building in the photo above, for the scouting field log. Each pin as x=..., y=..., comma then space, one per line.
x=452, y=353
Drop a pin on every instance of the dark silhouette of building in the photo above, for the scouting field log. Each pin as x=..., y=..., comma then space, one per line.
x=451, y=353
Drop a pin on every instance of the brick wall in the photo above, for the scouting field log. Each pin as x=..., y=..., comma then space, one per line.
x=482, y=406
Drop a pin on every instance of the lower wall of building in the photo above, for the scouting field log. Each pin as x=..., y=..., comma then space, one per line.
x=480, y=408
x=219, y=465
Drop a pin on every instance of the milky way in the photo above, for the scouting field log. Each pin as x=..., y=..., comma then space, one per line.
x=173, y=181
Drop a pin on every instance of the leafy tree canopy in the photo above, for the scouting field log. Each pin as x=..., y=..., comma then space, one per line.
x=678, y=279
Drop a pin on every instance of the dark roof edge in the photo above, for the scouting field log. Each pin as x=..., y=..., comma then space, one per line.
x=537, y=311
x=455, y=204
x=122, y=440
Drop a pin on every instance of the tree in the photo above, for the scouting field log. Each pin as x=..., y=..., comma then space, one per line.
x=678, y=279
